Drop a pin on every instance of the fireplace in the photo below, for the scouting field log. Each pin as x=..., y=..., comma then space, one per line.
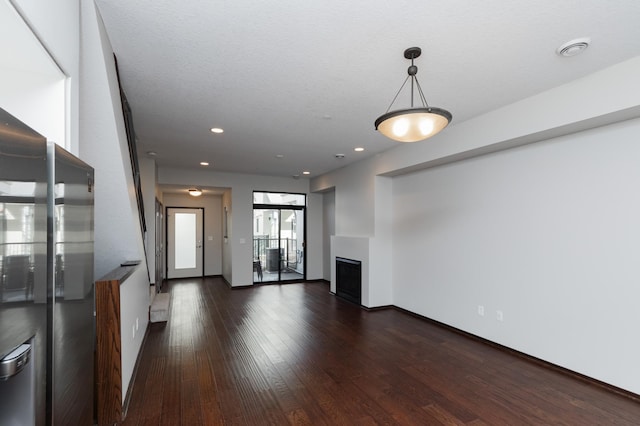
x=349, y=279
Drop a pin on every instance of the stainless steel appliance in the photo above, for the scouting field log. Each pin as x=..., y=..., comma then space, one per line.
x=17, y=390
x=46, y=276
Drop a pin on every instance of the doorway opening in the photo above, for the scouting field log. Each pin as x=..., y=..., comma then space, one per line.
x=159, y=245
x=279, y=235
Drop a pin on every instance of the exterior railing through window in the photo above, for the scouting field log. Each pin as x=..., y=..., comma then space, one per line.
x=276, y=253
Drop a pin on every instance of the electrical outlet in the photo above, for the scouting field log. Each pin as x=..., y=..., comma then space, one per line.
x=499, y=316
x=481, y=310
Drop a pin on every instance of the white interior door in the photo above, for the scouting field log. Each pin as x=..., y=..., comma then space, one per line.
x=184, y=243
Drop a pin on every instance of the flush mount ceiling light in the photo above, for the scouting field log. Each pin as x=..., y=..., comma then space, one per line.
x=195, y=192
x=415, y=123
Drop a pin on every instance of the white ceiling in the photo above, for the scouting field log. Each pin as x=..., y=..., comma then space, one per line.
x=307, y=79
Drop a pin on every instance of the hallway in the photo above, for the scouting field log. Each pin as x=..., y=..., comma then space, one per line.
x=294, y=354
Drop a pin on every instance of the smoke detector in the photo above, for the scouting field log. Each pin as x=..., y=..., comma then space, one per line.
x=573, y=47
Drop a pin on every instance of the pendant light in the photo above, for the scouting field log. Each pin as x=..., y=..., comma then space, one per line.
x=415, y=123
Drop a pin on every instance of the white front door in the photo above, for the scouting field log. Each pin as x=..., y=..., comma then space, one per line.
x=184, y=243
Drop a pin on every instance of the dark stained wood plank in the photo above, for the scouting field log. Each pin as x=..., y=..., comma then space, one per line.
x=108, y=364
x=153, y=387
x=210, y=404
x=295, y=354
x=171, y=388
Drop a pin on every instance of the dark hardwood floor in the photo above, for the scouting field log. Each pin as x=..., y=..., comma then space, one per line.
x=294, y=354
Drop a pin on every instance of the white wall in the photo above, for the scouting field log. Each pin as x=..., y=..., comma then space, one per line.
x=380, y=290
x=212, y=205
x=55, y=102
x=105, y=147
x=37, y=100
x=496, y=212
x=314, y=245
x=103, y=144
x=238, y=250
x=548, y=233
x=134, y=313
x=329, y=229
x=354, y=202
x=148, y=184
x=374, y=252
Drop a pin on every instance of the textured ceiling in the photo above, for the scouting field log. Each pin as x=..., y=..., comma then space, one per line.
x=306, y=80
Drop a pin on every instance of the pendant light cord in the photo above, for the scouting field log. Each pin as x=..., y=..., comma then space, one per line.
x=396, y=96
x=417, y=83
x=422, y=97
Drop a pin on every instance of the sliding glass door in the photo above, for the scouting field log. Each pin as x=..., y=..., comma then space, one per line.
x=278, y=243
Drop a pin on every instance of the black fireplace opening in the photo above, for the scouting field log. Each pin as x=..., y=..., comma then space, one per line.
x=349, y=279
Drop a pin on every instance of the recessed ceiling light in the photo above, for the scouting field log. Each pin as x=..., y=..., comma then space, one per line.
x=573, y=47
x=204, y=163
x=279, y=156
x=306, y=173
x=152, y=153
x=216, y=130
x=358, y=149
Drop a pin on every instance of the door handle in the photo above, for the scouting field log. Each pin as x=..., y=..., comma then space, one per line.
x=13, y=363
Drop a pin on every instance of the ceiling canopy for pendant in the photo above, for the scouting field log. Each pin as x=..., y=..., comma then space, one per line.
x=415, y=123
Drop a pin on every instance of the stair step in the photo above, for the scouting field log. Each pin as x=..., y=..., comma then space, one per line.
x=160, y=308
